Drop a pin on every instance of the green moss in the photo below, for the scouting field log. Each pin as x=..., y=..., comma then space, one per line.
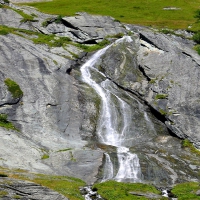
x=187, y=144
x=17, y=197
x=45, y=156
x=5, y=123
x=161, y=96
x=186, y=191
x=13, y=88
x=113, y=190
x=162, y=112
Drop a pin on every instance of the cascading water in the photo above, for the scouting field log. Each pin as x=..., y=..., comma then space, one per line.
x=114, y=121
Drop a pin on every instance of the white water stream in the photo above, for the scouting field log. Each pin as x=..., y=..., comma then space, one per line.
x=115, y=118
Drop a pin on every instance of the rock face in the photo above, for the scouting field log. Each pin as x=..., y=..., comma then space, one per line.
x=164, y=73
x=57, y=117
x=26, y=190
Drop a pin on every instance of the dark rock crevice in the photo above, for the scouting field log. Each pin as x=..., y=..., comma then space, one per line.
x=142, y=37
x=144, y=73
x=188, y=55
x=69, y=25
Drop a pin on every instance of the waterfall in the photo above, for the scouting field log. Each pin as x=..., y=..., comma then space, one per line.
x=114, y=121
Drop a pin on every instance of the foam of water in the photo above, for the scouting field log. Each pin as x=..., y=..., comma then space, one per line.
x=108, y=129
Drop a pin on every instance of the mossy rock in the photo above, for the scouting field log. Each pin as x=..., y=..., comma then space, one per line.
x=13, y=88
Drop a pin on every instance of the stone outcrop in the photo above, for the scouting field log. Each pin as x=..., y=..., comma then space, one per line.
x=17, y=189
x=58, y=113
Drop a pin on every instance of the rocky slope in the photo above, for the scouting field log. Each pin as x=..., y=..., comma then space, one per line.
x=57, y=114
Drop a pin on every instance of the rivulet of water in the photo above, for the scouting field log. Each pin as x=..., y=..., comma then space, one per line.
x=114, y=121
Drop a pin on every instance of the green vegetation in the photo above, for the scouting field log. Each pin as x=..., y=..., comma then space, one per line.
x=141, y=12
x=162, y=112
x=161, y=96
x=5, y=123
x=45, y=156
x=58, y=19
x=90, y=48
x=61, y=150
x=51, y=40
x=13, y=88
x=17, y=197
x=67, y=186
x=3, y=193
x=3, y=32
x=187, y=144
x=113, y=190
x=186, y=191
x=196, y=37
x=25, y=16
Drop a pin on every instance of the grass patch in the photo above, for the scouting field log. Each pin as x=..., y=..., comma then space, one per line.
x=25, y=16
x=51, y=40
x=113, y=190
x=187, y=144
x=5, y=123
x=13, y=88
x=67, y=186
x=143, y=12
x=186, y=191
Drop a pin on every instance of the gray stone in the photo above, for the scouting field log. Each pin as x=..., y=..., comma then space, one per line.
x=27, y=190
x=198, y=192
x=95, y=26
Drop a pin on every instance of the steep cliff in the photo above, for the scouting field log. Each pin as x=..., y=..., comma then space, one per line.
x=55, y=117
